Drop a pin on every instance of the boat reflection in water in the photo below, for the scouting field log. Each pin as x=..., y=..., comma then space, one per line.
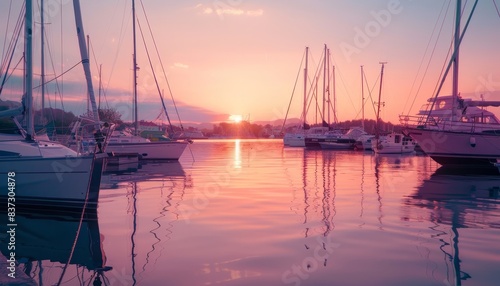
x=143, y=204
x=115, y=175
x=459, y=205
x=46, y=250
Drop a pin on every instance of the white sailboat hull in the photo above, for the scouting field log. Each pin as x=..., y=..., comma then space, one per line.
x=168, y=150
x=49, y=182
x=458, y=148
x=294, y=140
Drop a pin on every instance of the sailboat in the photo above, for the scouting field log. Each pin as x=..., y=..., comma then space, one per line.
x=296, y=138
x=364, y=142
x=393, y=143
x=458, y=137
x=126, y=143
x=43, y=174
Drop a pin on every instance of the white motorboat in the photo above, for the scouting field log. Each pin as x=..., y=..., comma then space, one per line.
x=394, y=143
x=294, y=139
x=364, y=142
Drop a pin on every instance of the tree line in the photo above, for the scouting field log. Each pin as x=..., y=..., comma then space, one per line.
x=58, y=121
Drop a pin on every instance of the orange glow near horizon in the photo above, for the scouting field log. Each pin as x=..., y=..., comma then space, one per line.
x=236, y=118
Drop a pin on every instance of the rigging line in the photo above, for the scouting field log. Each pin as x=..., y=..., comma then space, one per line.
x=293, y=91
x=6, y=76
x=371, y=90
x=61, y=43
x=13, y=42
x=6, y=31
x=343, y=82
x=312, y=93
x=429, y=62
x=365, y=99
x=314, y=90
x=496, y=7
x=58, y=88
x=99, y=72
x=108, y=24
x=155, y=78
x=449, y=54
x=452, y=59
x=59, y=75
x=443, y=68
x=425, y=53
x=119, y=44
x=93, y=53
x=161, y=64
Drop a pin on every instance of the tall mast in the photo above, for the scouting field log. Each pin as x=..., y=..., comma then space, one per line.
x=379, y=98
x=455, y=61
x=136, y=116
x=334, y=97
x=305, y=88
x=328, y=87
x=88, y=49
x=42, y=58
x=100, y=86
x=315, y=94
x=28, y=49
x=362, y=99
x=324, y=86
x=85, y=60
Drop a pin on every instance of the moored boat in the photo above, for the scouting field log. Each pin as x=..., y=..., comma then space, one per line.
x=454, y=131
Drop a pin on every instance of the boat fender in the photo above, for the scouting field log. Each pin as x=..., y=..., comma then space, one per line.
x=472, y=142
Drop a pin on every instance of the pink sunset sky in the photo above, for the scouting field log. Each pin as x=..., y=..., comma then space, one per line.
x=241, y=57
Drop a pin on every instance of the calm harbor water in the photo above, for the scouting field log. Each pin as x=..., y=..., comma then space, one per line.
x=252, y=212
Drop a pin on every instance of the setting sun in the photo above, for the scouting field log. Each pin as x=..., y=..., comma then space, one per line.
x=235, y=118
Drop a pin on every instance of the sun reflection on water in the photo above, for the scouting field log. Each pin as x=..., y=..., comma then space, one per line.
x=237, y=153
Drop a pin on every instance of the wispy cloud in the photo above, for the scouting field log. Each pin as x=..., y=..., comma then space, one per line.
x=180, y=65
x=208, y=10
x=255, y=13
x=231, y=11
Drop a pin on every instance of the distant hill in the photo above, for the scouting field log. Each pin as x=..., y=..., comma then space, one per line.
x=9, y=104
x=279, y=122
